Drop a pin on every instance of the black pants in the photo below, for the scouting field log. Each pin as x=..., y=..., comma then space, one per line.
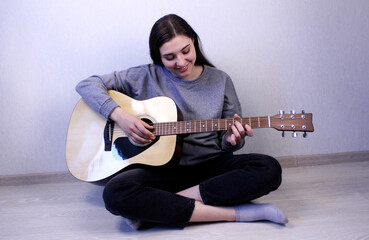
x=148, y=193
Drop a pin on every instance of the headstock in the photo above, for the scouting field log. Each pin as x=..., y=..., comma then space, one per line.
x=295, y=122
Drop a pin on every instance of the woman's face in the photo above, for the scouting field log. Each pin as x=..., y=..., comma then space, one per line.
x=179, y=56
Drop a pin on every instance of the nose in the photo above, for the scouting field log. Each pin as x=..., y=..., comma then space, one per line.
x=180, y=61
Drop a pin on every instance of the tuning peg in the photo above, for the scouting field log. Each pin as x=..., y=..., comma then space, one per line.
x=304, y=135
x=292, y=112
x=294, y=134
x=283, y=134
x=281, y=114
x=303, y=111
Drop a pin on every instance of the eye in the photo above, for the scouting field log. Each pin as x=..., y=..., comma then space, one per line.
x=169, y=57
x=186, y=51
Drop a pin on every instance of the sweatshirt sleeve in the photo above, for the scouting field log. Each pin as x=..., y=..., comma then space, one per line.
x=231, y=106
x=94, y=91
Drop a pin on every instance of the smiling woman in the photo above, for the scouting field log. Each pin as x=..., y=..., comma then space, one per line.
x=206, y=182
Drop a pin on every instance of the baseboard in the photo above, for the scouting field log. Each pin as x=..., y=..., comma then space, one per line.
x=323, y=159
x=36, y=178
x=286, y=162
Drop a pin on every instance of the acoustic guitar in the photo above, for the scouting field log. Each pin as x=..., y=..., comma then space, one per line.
x=97, y=148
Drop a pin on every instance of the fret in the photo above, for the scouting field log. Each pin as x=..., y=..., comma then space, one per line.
x=158, y=129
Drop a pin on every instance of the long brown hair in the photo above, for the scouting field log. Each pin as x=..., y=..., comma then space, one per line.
x=167, y=28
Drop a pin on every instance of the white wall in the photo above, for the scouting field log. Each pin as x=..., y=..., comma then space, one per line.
x=310, y=55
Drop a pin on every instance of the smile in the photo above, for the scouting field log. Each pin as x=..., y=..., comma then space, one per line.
x=183, y=69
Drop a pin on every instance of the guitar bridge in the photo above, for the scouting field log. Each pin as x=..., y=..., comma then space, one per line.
x=108, y=134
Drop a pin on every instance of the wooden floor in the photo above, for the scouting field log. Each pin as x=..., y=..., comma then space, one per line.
x=321, y=202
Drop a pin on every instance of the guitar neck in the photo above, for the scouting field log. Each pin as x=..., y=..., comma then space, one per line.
x=214, y=125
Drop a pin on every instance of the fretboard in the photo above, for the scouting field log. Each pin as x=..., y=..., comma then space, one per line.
x=197, y=126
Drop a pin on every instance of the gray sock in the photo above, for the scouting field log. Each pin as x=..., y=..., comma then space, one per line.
x=258, y=212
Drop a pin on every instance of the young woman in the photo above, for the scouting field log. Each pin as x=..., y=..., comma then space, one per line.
x=208, y=182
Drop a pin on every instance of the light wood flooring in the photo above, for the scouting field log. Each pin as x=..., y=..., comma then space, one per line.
x=321, y=202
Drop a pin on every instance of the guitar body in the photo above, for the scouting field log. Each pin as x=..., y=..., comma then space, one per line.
x=89, y=155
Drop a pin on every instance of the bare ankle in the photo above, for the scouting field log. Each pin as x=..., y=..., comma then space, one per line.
x=192, y=192
x=207, y=213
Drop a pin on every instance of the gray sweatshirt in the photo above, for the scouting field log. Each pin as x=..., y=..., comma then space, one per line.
x=211, y=96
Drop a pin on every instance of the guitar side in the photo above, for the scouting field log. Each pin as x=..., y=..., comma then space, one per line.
x=86, y=157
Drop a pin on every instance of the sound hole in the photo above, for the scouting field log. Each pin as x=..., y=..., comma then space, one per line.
x=125, y=148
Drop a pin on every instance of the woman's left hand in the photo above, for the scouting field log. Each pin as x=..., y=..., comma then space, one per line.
x=237, y=132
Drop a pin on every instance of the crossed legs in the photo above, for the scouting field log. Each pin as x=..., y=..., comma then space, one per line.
x=223, y=192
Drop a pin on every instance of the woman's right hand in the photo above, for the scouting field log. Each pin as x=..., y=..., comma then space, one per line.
x=137, y=130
